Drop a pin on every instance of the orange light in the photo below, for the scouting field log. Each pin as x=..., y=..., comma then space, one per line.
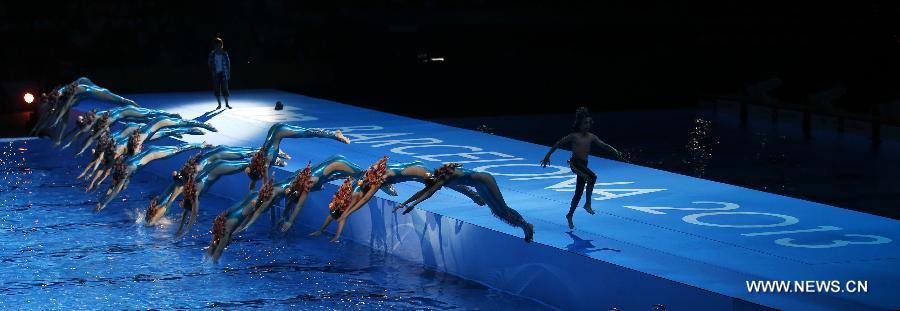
x=29, y=98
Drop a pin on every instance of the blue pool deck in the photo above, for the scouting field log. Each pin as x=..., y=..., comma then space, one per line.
x=657, y=237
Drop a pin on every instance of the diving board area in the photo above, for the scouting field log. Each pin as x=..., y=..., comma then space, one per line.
x=657, y=237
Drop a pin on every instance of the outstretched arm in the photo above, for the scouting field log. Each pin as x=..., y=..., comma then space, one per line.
x=158, y=208
x=360, y=201
x=188, y=216
x=412, y=198
x=328, y=221
x=277, y=193
x=421, y=196
x=110, y=194
x=295, y=208
x=596, y=140
x=91, y=166
x=559, y=143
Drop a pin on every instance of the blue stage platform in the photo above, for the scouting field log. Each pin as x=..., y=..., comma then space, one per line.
x=657, y=237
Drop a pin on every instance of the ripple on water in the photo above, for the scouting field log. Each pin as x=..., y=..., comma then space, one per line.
x=57, y=253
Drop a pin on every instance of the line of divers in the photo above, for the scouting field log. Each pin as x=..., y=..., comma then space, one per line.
x=121, y=153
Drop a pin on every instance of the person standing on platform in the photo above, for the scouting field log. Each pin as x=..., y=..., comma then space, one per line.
x=581, y=140
x=220, y=70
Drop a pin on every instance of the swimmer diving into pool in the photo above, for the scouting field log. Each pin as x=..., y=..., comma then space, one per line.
x=297, y=187
x=259, y=168
x=486, y=187
x=335, y=167
x=281, y=131
x=103, y=164
x=340, y=203
x=94, y=122
x=226, y=223
x=194, y=166
x=47, y=107
x=110, y=156
x=150, y=127
x=130, y=140
x=195, y=186
x=378, y=178
x=580, y=141
x=205, y=169
x=69, y=96
x=125, y=168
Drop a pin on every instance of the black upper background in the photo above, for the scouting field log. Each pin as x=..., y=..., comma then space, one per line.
x=502, y=57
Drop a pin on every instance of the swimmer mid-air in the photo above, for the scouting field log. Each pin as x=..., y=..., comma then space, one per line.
x=486, y=186
x=281, y=131
x=124, y=169
x=47, y=107
x=314, y=179
x=226, y=223
x=206, y=169
x=343, y=202
x=297, y=187
x=93, y=121
x=259, y=167
x=581, y=140
x=68, y=96
x=340, y=203
x=196, y=165
x=377, y=178
x=131, y=143
x=195, y=186
x=111, y=152
x=148, y=129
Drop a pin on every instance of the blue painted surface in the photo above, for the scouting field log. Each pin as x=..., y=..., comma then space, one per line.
x=653, y=240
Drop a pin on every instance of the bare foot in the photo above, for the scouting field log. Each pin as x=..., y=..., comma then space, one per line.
x=571, y=224
x=341, y=137
x=587, y=207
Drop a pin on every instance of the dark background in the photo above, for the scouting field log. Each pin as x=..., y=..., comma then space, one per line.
x=648, y=66
x=501, y=57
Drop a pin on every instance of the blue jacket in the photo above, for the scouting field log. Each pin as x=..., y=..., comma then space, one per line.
x=226, y=66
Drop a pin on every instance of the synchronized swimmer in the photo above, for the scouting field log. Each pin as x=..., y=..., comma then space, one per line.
x=124, y=169
x=379, y=176
x=211, y=164
x=485, y=185
x=96, y=122
x=55, y=107
x=129, y=141
x=119, y=152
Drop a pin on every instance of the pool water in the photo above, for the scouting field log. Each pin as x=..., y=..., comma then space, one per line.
x=56, y=253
